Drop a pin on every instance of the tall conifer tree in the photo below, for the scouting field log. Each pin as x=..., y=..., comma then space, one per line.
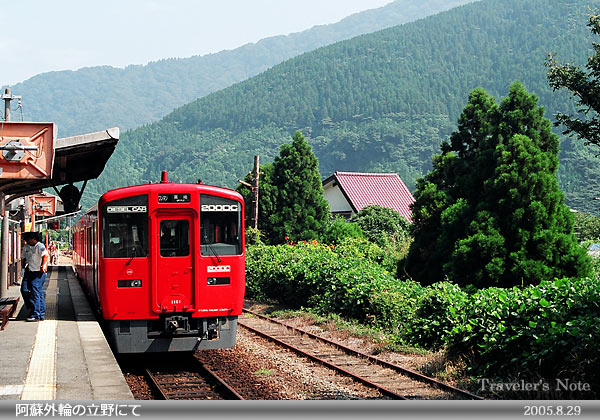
x=301, y=210
x=490, y=213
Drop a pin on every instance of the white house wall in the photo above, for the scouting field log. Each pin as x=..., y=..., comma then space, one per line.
x=335, y=198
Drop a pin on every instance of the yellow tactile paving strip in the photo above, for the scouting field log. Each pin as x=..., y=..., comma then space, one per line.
x=40, y=382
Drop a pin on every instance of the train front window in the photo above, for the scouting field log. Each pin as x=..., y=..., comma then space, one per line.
x=220, y=223
x=174, y=238
x=125, y=228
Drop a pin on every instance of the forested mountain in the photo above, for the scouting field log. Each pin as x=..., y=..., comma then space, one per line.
x=378, y=102
x=96, y=98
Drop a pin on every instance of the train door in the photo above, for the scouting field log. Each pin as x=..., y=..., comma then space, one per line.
x=88, y=257
x=174, y=255
x=95, y=273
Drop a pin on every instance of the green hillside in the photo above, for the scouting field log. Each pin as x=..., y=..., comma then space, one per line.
x=96, y=98
x=378, y=102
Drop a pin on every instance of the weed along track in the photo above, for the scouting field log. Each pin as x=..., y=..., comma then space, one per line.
x=390, y=380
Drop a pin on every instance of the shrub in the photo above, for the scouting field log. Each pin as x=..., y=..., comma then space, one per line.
x=386, y=256
x=546, y=331
x=338, y=230
x=586, y=226
x=353, y=282
x=313, y=274
x=550, y=330
x=439, y=309
x=382, y=225
x=253, y=236
x=395, y=308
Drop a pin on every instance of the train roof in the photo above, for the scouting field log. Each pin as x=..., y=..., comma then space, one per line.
x=170, y=187
x=165, y=187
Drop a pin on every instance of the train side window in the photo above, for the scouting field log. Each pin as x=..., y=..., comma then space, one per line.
x=174, y=238
x=220, y=222
x=125, y=228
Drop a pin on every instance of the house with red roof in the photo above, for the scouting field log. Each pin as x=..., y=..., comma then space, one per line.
x=350, y=192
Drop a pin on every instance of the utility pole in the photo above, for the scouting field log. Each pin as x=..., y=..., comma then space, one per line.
x=254, y=188
x=7, y=97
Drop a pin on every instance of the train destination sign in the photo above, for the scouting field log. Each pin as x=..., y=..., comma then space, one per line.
x=126, y=209
x=173, y=198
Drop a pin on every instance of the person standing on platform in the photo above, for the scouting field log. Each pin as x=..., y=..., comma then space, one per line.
x=25, y=285
x=53, y=253
x=35, y=276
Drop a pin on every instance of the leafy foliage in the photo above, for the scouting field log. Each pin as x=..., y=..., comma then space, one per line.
x=584, y=86
x=547, y=331
x=382, y=225
x=301, y=211
x=380, y=102
x=587, y=227
x=253, y=236
x=490, y=213
x=339, y=230
x=313, y=274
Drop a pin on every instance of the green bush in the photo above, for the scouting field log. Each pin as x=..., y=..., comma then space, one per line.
x=395, y=309
x=253, y=236
x=586, y=227
x=382, y=225
x=549, y=331
x=338, y=230
x=289, y=274
x=439, y=310
x=350, y=288
x=387, y=256
x=314, y=274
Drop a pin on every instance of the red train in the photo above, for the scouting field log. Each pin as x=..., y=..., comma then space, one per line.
x=165, y=265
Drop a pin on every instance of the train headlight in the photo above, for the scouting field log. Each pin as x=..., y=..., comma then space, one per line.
x=213, y=281
x=129, y=283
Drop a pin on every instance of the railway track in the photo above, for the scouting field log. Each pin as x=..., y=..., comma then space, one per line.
x=189, y=379
x=389, y=379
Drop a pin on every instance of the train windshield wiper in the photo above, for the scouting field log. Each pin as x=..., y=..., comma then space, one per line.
x=212, y=249
x=133, y=256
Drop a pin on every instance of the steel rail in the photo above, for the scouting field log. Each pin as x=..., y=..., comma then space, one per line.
x=158, y=387
x=381, y=362
x=358, y=378
x=217, y=378
x=203, y=371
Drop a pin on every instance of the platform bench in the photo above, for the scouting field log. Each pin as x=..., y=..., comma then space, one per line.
x=8, y=307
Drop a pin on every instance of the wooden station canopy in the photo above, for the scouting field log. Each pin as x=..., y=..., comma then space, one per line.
x=77, y=158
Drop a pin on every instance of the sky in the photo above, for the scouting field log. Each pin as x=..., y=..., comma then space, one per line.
x=50, y=35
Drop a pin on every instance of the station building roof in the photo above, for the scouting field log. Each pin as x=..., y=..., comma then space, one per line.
x=76, y=158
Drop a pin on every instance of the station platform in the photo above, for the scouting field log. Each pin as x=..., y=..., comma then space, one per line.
x=64, y=357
